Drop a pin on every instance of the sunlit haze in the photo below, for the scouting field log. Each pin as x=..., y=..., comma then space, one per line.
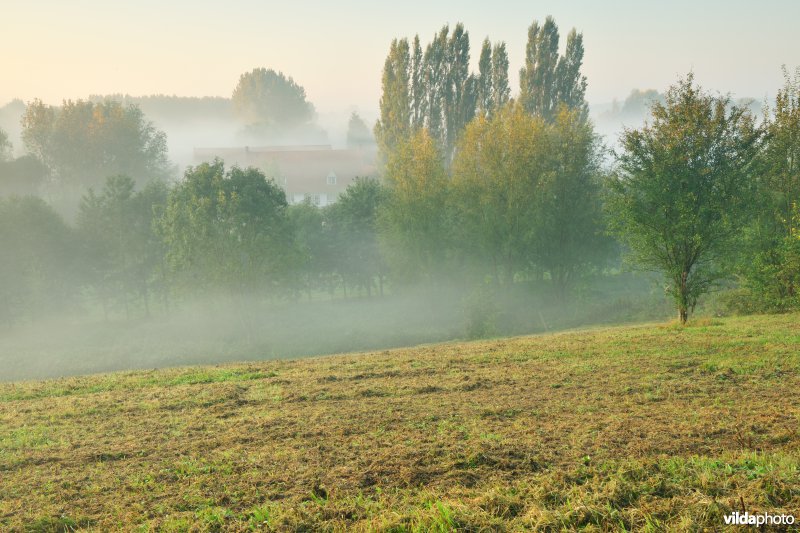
x=54, y=50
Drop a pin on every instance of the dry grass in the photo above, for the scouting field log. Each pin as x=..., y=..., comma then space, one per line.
x=654, y=427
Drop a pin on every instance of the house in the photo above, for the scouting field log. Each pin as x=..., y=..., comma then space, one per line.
x=318, y=173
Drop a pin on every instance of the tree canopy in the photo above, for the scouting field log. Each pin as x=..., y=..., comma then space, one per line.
x=547, y=79
x=83, y=143
x=682, y=190
x=228, y=229
x=267, y=98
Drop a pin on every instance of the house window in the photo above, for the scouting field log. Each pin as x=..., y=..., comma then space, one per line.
x=314, y=199
x=331, y=179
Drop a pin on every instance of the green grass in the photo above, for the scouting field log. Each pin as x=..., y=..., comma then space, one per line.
x=648, y=428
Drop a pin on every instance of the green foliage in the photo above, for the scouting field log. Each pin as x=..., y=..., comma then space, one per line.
x=501, y=91
x=771, y=273
x=83, y=143
x=314, y=248
x=497, y=175
x=394, y=124
x=568, y=235
x=771, y=280
x=353, y=225
x=780, y=159
x=492, y=80
x=228, y=229
x=5, y=146
x=415, y=222
x=39, y=266
x=526, y=194
x=681, y=194
x=548, y=80
x=435, y=90
x=267, y=98
x=125, y=254
x=22, y=176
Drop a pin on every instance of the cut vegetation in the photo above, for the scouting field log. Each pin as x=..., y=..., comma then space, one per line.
x=652, y=427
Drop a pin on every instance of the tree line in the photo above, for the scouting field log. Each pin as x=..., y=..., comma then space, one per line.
x=477, y=188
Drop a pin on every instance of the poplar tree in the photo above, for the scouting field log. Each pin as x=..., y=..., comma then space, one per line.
x=538, y=77
x=548, y=80
x=485, y=79
x=394, y=124
x=501, y=92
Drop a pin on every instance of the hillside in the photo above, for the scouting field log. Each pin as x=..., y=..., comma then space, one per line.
x=638, y=427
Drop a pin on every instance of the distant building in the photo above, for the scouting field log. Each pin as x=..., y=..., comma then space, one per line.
x=315, y=172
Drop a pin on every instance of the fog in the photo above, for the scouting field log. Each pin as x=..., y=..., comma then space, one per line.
x=82, y=329
x=224, y=329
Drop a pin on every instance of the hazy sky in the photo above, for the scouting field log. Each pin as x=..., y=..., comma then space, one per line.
x=69, y=49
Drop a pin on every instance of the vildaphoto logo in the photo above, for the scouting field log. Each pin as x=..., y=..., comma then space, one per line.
x=758, y=519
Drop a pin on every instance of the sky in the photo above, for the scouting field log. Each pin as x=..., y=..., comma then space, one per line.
x=61, y=49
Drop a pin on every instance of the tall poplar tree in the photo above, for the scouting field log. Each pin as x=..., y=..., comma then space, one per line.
x=485, y=79
x=501, y=91
x=394, y=124
x=548, y=80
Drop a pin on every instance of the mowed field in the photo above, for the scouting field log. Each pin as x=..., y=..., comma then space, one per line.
x=653, y=427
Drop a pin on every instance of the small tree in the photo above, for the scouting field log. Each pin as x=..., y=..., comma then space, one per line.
x=680, y=195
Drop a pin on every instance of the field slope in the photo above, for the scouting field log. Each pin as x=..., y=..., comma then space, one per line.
x=656, y=427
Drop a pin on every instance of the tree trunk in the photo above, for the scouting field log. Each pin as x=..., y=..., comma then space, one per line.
x=683, y=299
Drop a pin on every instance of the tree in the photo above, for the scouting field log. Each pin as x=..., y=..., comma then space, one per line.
x=22, y=176
x=353, y=222
x=418, y=101
x=547, y=79
x=5, y=146
x=435, y=90
x=83, y=143
x=315, y=248
x=538, y=77
x=460, y=93
x=526, y=194
x=492, y=89
x=568, y=238
x=681, y=193
x=415, y=222
x=229, y=230
x=358, y=134
x=394, y=124
x=268, y=99
x=497, y=173
x=571, y=90
x=781, y=155
x=772, y=272
x=118, y=229
x=40, y=264
x=501, y=92
x=485, y=78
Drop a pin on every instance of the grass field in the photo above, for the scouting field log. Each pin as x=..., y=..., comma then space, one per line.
x=654, y=427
